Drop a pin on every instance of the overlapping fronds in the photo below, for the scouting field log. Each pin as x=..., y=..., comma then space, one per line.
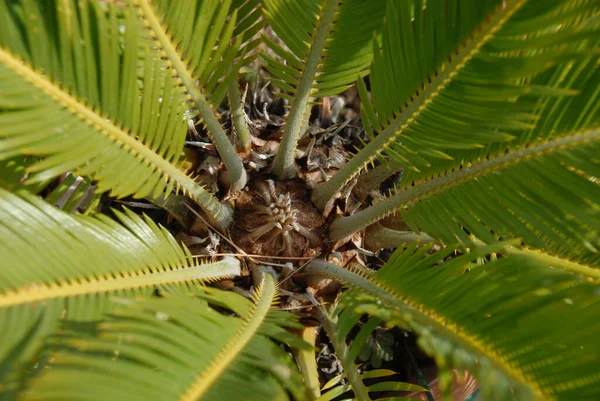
x=453, y=79
x=83, y=88
x=327, y=46
x=208, y=344
x=205, y=48
x=526, y=327
x=59, y=269
x=542, y=188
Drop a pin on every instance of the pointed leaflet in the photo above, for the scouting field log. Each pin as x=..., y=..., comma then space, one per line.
x=82, y=87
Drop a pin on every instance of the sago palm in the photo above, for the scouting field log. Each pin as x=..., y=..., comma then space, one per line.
x=479, y=119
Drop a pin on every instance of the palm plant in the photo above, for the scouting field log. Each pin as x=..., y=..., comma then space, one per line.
x=488, y=109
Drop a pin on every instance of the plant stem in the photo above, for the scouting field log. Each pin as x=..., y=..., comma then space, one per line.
x=243, y=139
x=341, y=349
x=217, y=135
x=308, y=364
x=346, y=226
x=284, y=166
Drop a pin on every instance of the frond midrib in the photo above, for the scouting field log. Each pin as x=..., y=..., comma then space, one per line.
x=348, y=225
x=427, y=318
x=117, y=135
x=266, y=293
x=217, y=135
x=297, y=119
x=353, y=166
x=123, y=281
x=560, y=263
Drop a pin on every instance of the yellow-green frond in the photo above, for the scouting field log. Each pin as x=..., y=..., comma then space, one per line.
x=83, y=89
x=346, y=55
x=526, y=328
x=451, y=81
x=178, y=348
x=59, y=270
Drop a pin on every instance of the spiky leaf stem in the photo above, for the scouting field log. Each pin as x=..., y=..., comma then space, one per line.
x=243, y=139
x=371, y=180
x=227, y=267
x=228, y=154
x=297, y=121
x=265, y=294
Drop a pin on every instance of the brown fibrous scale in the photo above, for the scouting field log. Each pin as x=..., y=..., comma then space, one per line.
x=277, y=219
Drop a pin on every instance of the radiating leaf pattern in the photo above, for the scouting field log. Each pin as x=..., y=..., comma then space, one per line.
x=540, y=187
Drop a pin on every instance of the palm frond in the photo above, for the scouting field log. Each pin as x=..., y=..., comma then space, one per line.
x=526, y=328
x=121, y=110
x=57, y=266
x=346, y=55
x=336, y=387
x=211, y=36
x=209, y=344
x=442, y=93
x=543, y=188
x=197, y=39
x=328, y=45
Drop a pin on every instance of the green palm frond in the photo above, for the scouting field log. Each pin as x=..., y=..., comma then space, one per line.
x=495, y=318
x=336, y=388
x=67, y=83
x=346, y=55
x=197, y=38
x=56, y=266
x=542, y=188
x=459, y=79
x=327, y=46
x=180, y=348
